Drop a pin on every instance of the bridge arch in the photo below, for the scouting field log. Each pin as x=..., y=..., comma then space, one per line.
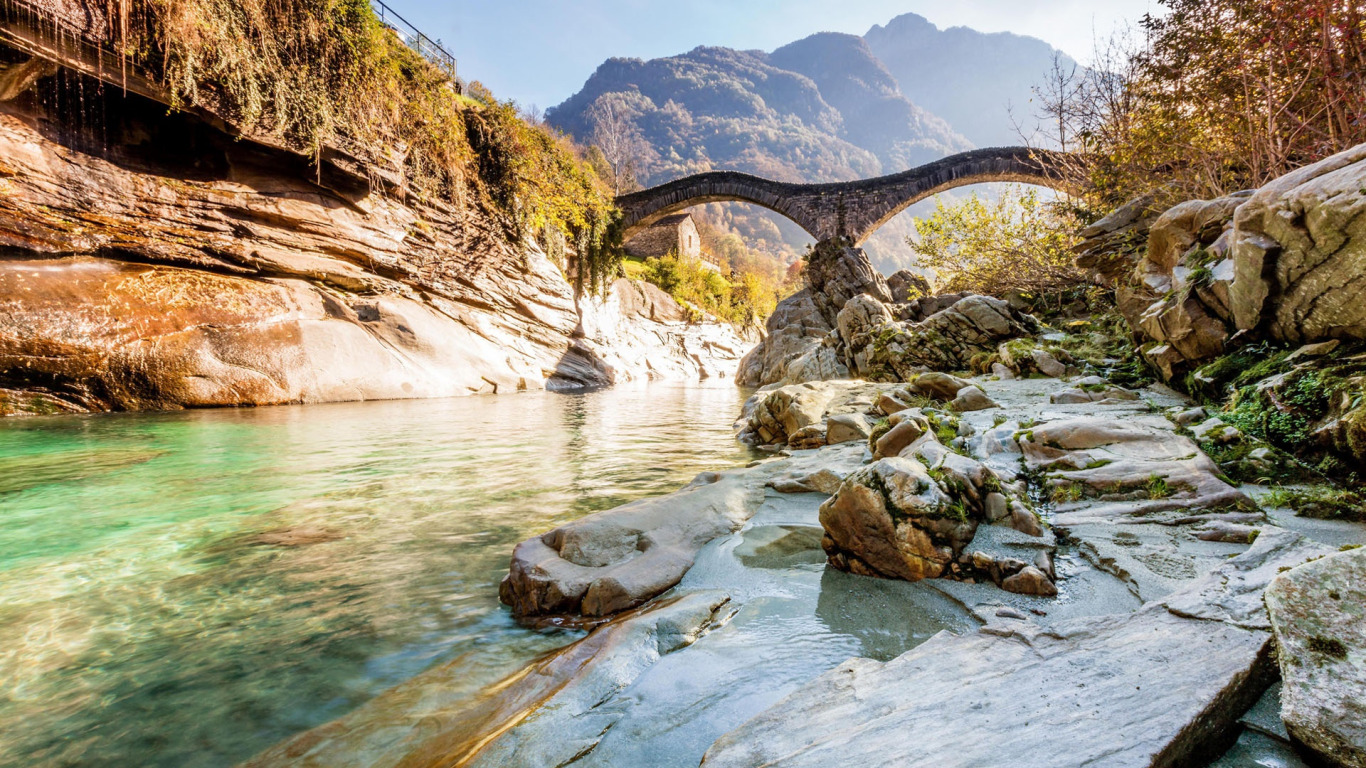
x=852, y=209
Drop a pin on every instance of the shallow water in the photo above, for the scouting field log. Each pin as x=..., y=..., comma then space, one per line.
x=187, y=589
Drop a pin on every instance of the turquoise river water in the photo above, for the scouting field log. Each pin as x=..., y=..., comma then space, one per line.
x=186, y=589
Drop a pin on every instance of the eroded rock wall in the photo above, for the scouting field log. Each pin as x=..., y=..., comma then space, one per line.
x=149, y=261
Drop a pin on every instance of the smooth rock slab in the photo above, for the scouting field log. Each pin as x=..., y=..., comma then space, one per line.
x=1144, y=689
x=1318, y=612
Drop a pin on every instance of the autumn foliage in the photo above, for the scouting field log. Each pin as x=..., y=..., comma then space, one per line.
x=1215, y=96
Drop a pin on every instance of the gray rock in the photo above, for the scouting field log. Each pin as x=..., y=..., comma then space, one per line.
x=1215, y=430
x=1117, y=670
x=905, y=432
x=1030, y=581
x=615, y=560
x=799, y=346
x=1023, y=520
x=1035, y=694
x=1047, y=364
x=1190, y=416
x=1318, y=613
x=996, y=507
x=940, y=386
x=947, y=340
x=889, y=404
x=1232, y=593
x=972, y=399
x=846, y=428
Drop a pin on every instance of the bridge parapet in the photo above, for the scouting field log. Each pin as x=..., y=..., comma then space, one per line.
x=851, y=209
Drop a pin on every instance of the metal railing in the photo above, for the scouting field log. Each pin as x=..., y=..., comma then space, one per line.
x=415, y=39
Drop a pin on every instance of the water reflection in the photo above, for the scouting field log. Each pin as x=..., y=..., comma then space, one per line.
x=186, y=589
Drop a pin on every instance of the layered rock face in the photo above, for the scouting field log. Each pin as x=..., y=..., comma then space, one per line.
x=1299, y=253
x=176, y=267
x=1283, y=262
x=848, y=322
x=1204, y=283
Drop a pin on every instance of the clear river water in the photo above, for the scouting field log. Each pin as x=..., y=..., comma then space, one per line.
x=186, y=589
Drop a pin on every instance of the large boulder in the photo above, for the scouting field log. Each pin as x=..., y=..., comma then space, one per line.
x=1318, y=612
x=1299, y=252
x=923, y=511
x=893, y=520
x=948, y=340
x=800, y=346
x=1177, y=298
x=795, y=412
x=615, y=560
x=802, y=342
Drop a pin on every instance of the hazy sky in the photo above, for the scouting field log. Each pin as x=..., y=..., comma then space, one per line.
x=541, y=51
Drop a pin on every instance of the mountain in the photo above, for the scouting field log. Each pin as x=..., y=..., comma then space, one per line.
x=822, y=109
x=971, y=79
x=829, y=107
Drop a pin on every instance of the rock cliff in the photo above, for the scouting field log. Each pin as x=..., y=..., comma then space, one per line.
x=151, y=261
x=1254, y=298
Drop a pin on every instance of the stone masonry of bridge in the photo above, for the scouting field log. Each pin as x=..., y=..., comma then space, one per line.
x=849, y=209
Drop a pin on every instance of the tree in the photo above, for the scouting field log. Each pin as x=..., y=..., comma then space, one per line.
x=1219, y=95
x=615, y=134
x=1017, y=243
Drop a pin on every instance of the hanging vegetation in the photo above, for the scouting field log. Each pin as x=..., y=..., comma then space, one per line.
x=316, y=73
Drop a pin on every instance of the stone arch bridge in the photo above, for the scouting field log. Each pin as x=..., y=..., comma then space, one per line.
x=851, y=209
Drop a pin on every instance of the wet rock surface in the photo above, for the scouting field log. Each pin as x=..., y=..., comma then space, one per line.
x=1159, y=706
x=412, y=726
x=1318, y=612
x=616, y=560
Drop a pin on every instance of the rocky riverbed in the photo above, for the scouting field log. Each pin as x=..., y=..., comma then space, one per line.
x=728, y=634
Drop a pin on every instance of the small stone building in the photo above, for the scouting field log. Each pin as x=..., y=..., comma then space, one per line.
x=672, y=234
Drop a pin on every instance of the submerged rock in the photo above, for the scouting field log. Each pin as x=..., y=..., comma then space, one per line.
x=407, y=726
x=1318, y=612
x=611, y=561
x=1036, y=694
